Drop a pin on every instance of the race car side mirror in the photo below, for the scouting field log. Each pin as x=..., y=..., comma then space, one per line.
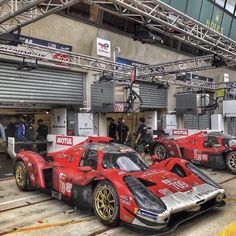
x=85, y=168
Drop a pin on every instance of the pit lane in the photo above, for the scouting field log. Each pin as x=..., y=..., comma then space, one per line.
x=35, y=213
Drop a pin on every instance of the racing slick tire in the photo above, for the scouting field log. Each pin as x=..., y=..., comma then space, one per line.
x=21, y=176
x=160, y=151
x=106, y=203
x=231, y=161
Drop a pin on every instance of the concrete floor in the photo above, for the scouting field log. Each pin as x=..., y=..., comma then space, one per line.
x=37, y=214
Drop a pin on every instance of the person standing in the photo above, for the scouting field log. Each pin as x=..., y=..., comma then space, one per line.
x=122, y=132
x=21, y=130
x=42, y=136
x=42, y=130
x=140, y=134
x=11, y=128
x=2, y=133
x=112, y=129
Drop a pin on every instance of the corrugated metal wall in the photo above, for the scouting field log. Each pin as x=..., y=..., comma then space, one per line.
x=231, y=124
x=102, y=97
x=197, y=122
x=153, y=97
x=51, y=86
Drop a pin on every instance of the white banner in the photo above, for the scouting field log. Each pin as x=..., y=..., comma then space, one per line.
x=103, y=48
x=59, y=121
x=85, y=124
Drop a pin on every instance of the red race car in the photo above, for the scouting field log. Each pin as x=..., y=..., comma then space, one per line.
x=215, y=150
x=113, y=181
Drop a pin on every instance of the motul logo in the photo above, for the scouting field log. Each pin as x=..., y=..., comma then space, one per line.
x=182, y=132
x=64, y=140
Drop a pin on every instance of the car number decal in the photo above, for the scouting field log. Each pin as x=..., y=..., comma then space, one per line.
x=177, y=185
x=199, y=156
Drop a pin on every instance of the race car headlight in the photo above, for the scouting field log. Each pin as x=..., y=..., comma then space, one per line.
x=143, y=197
x=201, y=175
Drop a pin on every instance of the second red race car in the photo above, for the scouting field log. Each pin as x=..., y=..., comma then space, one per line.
x=215, y=150
x=113, y=181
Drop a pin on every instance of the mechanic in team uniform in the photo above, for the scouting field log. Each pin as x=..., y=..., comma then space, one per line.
x=112, y=129
x=122, y=132
x=140, y=135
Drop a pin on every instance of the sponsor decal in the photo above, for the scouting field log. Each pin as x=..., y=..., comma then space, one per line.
x=181, y=132
x=68, y=187
x=128, y=218
x=61, y=57
x=103, y=47
x=165, y=191
x=177, y=185
x=62, y=184
x=64, y=140
x=199, y=156
x=126, y=200
x=215, y=23
x=119, y=107
x=148, y=214
x=56, y=195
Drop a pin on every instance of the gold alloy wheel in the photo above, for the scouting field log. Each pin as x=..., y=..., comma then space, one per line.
x=160, y=151
x=20, y=174
x=105, y=203
x=232, y=161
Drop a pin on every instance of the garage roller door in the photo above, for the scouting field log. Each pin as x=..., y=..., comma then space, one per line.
x=231, y=123
x=152, y=96
x=197, y=122
x=43, y=85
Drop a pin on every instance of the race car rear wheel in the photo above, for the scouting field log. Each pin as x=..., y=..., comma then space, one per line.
x=160, y=151
x=106, y=203
x=231, y=161
x=21, y=176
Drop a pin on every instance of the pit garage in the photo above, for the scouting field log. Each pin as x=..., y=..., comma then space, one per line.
x=79, y=66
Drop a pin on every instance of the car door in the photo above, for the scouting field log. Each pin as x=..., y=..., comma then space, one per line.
x=65, y=169
x=92, y=159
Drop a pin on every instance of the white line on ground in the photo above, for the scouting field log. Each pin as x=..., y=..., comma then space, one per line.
x=24, y=198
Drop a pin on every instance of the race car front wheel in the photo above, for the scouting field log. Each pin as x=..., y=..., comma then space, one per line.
x=106, y=203
x=21, y=176
x=160, y=151
x=231, y=161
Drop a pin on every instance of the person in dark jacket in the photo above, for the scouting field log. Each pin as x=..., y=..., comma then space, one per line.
x=11, y=128
x=122, y=132
x=42, y=130
x=112, y=129
x=140, y=134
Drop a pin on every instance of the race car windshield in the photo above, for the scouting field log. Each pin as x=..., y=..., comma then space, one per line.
x=129, y=161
